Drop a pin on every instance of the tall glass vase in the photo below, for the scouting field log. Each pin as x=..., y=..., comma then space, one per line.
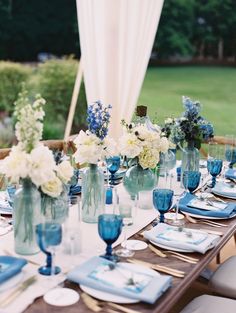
x=55, y=209
x=137, y=179
x=26, y=215
x=93, y=201
x=190, y=158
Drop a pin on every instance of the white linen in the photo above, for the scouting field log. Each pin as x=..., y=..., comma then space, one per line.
x=116, y=39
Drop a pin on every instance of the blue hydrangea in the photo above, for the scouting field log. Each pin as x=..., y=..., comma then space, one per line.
x=192, y=109
x=98, y=119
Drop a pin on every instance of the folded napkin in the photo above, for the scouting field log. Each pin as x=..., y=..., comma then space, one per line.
x=10, y=266
x=227, y=212
x=124, y=279
x=171, y=237
x=230, y=173
x=225, y=189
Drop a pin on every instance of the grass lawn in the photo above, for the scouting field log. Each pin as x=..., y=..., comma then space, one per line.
x=214, y=87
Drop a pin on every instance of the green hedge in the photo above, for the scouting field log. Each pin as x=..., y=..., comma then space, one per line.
x=11, y=77
x=55, y=83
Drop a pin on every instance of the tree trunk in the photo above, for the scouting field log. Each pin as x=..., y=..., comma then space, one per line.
x=220, y=49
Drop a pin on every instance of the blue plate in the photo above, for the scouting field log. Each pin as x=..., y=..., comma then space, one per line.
x=10, y=266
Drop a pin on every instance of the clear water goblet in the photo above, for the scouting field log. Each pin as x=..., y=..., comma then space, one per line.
x=126, y=210
x=230, y=150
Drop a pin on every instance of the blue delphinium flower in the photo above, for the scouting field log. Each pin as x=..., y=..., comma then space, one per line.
x=98, y=119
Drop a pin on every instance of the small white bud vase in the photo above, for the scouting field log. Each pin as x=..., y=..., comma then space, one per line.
x=93, y=193
x=26, y=215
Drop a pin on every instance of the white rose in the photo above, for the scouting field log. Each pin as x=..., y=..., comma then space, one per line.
x=65, y=171
x=42, y=165
x=52, y=188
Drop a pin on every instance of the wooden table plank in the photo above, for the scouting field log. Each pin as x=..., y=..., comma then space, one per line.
x=167, y=301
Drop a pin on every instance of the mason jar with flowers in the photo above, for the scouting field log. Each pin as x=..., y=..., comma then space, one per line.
x=54, y=193
x=189, y=131
x=30, y=165
x=143, y=147
x=93, y=146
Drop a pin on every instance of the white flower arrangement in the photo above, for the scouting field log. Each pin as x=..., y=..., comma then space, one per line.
x=139, y=142
x=94, y=145
x=29, y=158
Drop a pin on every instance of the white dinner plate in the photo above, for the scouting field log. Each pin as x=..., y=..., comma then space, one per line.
x=218, y=193
x=134, y=245
x=105, y=296
x=209, y=217
x=11, y=282
x=171, y=248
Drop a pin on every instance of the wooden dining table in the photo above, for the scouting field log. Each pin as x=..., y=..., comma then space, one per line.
x=172, y=295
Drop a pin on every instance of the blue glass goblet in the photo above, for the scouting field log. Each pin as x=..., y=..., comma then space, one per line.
x=214, y=167
x=49, y=235
x=191, y=180
x=113, y=164
x=230, y=156
x=162, y=201
x=109, y=229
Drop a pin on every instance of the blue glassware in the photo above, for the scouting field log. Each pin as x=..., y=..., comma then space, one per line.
x=162, y=201
x=113, y=164
x=109, y=229
x=49, y=235
x=214, y=167
x=191, y=180
x=230, y=156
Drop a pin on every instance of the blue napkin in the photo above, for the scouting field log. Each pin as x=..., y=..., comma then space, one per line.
x=10, y=266
x=95, y=273
x=230, y=173
x=229, y=211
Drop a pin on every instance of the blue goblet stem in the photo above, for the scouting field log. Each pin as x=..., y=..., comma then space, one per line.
x=162, y=217
x=108, y=251
x=213, y=181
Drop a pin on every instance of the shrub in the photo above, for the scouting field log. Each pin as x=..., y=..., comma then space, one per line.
x=56, y=80
x=11, y=77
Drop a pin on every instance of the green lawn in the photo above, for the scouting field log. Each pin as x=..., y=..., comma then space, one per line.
x=214, y=87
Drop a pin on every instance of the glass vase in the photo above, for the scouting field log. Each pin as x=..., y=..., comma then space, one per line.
x=137, y=179
x=26, y=215
x=190, y=159
x=93, y=193
x=55, y=209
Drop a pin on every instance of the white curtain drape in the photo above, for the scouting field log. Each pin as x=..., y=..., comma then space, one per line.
x=116, y=38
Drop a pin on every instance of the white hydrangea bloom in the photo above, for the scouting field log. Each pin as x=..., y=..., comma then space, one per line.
x=16, y=165
x=91, y=149
x=64, y=171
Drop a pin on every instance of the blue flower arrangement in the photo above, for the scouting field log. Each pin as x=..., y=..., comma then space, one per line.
x=98, y=119
x=191, y=127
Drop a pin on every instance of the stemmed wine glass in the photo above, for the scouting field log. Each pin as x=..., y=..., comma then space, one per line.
x=49, y=236
x=113, y=164
x=109, y=229
x=191, y=180
x=214, y=162
x=126, y=210
x=230, y=150
x=162, y=201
